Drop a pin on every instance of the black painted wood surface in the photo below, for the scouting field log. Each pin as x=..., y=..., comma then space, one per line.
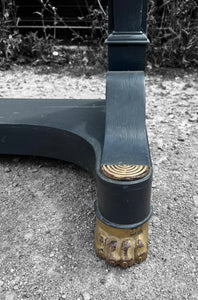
x=73, y=130
x=125, y=130
x=127, y=38
x=70, y=130
x=76, y=130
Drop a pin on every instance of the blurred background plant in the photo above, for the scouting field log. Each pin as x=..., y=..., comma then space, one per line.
x=94, y=39
x=172, y=29
x=32, y=47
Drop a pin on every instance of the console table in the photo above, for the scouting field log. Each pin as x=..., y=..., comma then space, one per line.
x=105, y=137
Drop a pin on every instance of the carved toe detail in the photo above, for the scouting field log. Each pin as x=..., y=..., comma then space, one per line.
x=122, y=247
x=127, y=253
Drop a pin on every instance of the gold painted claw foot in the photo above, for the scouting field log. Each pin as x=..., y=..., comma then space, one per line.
x=122, y=247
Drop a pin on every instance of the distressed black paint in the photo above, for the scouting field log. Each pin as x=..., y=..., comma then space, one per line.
x=76, y=130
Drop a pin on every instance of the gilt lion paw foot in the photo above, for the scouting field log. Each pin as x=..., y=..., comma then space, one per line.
x=122, y=247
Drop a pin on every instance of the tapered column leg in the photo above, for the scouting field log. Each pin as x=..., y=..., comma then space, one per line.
x=125, y=175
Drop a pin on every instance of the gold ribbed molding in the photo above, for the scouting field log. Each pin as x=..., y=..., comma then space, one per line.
x=125, y=172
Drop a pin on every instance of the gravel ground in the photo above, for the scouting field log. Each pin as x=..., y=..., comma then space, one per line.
x=47, y=217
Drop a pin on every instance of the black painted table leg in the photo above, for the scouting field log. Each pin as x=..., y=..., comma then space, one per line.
x=124, y=184
x=124, y=188
x=107, y=138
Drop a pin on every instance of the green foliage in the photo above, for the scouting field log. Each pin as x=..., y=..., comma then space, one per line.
x=15, y=47
x=172, y=29
x=98, y=19
x=25, y=49
x=96, y=52
x=47, y=7
x=10, y=43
